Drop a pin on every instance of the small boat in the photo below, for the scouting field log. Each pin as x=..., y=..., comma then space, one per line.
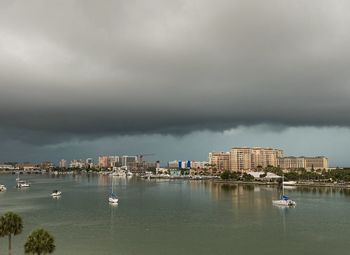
x=56, y=193
x=2, y=187
x=113, y=199
x=289, y=183
x=284, y=201
x=22, y=184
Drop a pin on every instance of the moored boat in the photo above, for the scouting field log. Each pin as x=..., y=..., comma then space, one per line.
x=284, y=201
x=113, y=199
x=56, y=193
x=22, y=184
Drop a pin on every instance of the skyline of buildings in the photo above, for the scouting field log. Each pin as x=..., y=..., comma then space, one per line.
x=254, y=158
x=236, y=159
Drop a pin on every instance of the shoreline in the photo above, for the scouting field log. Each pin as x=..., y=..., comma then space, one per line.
x=305, y=184
x=213, y=179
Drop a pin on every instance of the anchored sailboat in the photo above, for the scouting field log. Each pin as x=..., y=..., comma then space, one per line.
x=113, y=199
x=284, y=201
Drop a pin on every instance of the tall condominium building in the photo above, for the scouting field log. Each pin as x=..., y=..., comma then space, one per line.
x=129, y=161
x=62, y=163
x=89, y=162
x=220, y=159
x=77, y=163
x=103, y=161
x=250, y=158
x=114, y=161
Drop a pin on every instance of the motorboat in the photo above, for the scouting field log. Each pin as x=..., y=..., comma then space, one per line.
x=56, y=193
x=2, y=187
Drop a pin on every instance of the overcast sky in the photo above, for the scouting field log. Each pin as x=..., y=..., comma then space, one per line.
x=177, y=78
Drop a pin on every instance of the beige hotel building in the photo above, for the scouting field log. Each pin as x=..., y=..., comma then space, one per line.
x=220, y=159
x=308, y=163
x=248, y=158
x=251, y=158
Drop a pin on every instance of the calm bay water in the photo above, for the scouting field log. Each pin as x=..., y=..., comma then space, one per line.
x=177, y=217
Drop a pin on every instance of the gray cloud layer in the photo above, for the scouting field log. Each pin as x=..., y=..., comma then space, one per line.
x=95, y=68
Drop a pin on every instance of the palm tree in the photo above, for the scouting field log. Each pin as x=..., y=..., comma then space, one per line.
x=10, y=224
x=39, y=242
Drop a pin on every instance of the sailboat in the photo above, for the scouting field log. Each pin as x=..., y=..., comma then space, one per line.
x=21, y=183
x=284, y=201
x=112, y=199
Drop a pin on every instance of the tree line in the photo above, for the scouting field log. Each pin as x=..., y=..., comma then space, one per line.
x=299, y=174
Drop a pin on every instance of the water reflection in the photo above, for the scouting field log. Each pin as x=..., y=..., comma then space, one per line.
x=323, y=190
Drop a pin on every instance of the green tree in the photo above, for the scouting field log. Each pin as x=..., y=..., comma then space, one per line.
x=10, y=224
x=39, y=242
x=225, y=175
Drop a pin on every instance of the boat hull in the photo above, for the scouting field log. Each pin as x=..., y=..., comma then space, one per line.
x=284, y=202
x=56, y=194
x=113, y=200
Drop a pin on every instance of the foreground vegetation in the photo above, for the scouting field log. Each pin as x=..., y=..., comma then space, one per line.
x=38, y=242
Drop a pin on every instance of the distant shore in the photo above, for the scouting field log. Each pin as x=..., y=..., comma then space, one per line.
x=298, y=184
x=214, y=179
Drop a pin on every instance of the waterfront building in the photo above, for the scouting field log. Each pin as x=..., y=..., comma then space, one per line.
x=129, y=161
x=319, y=162
x=47, y=165
x=7, y=167
x=89, y=163
x=199, y=164
x=308, y=163
x=173, y=164
x=291, y=162
x=181, y=164
x=252, y=158
x=62, y=163
x=103, y=161
x=77, y=163
x=220, y=160
x=28, y=166
x=114, y=161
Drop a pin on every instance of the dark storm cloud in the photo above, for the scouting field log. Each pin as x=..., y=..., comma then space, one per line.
x=86, y=69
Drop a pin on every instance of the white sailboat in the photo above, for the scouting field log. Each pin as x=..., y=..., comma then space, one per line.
x=21, y=183
x=284, y=201
x=56, y=193
x=113, y=199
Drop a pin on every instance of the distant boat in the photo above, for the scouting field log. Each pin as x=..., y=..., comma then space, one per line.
x=113, y=199
x=22, y=184
x=2, y=188
x=289, y=183
x=118, y=173
x=56, y=193
x=284, y=201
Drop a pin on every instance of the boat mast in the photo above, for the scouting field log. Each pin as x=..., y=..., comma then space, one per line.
x=112, y=185
x=282, y=185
